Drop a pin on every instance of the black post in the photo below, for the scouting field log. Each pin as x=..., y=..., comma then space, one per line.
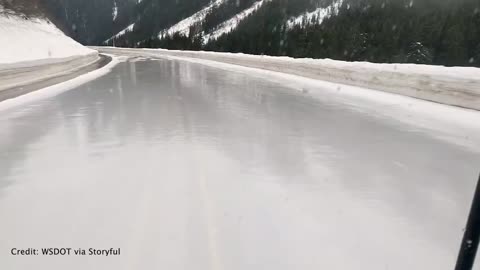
x=468, y=249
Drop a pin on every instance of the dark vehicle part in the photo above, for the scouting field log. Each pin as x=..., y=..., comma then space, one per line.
x=469, y=246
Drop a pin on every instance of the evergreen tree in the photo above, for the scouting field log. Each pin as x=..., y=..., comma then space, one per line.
x=443, y=32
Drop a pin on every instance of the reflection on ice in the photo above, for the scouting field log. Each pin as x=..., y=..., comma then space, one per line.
x=188, y=167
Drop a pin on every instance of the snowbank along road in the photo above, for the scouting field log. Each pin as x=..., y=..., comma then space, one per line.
x=458, y=86
x=24, y=65
x=185, y=165
x=19, y=81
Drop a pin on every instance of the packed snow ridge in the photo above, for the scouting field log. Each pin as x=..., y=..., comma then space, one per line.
x=231, y=24
x=183, y=27
x=35, y=41
x=456, y=86
x=317, y=16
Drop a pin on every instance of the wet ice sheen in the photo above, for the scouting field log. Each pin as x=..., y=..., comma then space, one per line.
x=184, y=166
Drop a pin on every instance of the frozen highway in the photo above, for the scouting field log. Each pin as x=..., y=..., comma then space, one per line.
x=183, y=165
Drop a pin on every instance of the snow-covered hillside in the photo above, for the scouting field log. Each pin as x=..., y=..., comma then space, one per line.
x=232, y=23
x=35, y=40
x=183, y=27
x=121, y=33
x=317, y=16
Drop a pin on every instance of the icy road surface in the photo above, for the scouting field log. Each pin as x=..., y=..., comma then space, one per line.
x=187, y=166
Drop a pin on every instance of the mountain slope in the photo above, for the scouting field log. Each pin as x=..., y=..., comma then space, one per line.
x=317, y=16
x=232, y=23
x=443, y=32
x=153, y=16
x=183, y=27
x=402, y=31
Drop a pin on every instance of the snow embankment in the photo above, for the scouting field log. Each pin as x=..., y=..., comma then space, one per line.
x=458, y=86
x=35, y=49
x=27, y=42
x=233, y=22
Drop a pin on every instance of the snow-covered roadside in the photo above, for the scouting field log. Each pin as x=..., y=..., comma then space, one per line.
x=448, y=123
x=35, y=51
x=57, y=89
x=26, y=77
x=35, y=42
x=458, y=86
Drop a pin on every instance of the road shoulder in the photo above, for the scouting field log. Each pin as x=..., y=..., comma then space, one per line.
x=21, y=81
